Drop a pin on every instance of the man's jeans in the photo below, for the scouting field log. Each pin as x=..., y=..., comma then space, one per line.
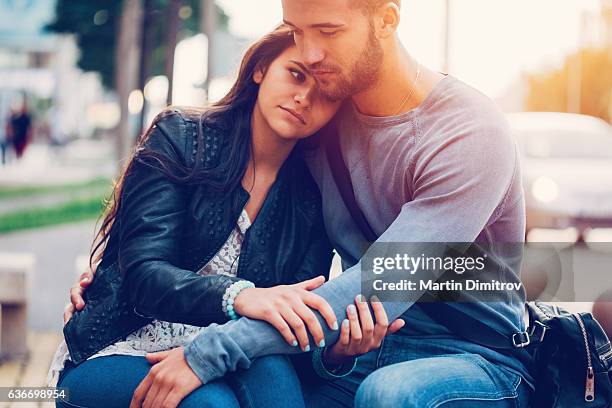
x=424, y=372
x=110, y=382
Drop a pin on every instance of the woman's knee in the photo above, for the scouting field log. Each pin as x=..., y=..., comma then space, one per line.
x=270, y=381
x=102, y=382
x=211, y=395
x=269, y=370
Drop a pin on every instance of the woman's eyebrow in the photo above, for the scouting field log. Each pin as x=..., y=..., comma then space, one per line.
x=299, y=64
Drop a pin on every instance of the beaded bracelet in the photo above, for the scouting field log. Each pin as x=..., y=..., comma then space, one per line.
x=230, y=295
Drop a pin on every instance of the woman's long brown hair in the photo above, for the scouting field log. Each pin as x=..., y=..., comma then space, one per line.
x=231, y=114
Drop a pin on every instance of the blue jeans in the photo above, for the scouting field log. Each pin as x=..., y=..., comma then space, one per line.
x=424, y=372
x=110, y=382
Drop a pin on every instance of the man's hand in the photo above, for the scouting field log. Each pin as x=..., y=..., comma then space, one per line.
x=76, y=293
x=360, y=333
x=168, y=382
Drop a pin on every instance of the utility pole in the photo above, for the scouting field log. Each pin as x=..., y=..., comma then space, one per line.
x=174, y=23
x=208, y=22
x=149, y=21
x=447, y=19
x=574, y=77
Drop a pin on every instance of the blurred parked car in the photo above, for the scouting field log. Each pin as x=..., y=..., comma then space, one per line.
x=567, y=169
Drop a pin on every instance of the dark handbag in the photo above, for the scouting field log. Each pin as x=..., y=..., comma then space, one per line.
x=569, y=354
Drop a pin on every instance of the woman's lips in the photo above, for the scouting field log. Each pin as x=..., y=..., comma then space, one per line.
x=295, y=114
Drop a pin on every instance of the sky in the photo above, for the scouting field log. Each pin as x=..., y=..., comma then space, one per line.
x=492, y=42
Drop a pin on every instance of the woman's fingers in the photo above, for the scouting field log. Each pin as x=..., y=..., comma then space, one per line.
x=153, y=395
x=365, y=317
x=156, y=357
x=298, y=327
x=382, y=321
x=141, y=391
x=156, y=396
x=316, y=302
x=279, y=322
x=311, y=321
x=311, y=284
x=345, y=335
x=395, y=326
x=172, y=400
x=356, y=335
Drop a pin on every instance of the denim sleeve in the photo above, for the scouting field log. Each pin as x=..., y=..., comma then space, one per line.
x=227, y=347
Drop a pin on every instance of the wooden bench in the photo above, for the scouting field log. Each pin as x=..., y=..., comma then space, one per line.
x=15, y=272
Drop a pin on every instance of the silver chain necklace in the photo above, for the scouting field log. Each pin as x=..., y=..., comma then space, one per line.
x=409, y=95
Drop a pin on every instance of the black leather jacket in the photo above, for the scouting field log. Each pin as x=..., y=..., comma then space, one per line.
x=165, y=231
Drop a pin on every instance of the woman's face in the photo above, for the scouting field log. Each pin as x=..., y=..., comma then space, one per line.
x=289, y=99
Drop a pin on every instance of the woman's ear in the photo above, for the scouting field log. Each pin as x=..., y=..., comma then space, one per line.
x=258, y=76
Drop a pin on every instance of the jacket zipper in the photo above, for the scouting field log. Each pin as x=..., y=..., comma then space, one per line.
x=589, y=390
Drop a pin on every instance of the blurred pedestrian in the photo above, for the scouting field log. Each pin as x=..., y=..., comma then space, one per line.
x=4, y=142
x=20, y=129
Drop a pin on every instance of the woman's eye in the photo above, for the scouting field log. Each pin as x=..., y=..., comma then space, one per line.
x=298, y=75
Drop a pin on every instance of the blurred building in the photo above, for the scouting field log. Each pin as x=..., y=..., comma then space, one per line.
x=597, y=26
x=42, y=66
x=606, y=14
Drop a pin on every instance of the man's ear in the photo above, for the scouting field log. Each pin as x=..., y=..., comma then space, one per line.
x=387, y=19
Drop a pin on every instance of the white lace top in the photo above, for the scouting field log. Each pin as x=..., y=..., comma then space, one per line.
x=160, y=335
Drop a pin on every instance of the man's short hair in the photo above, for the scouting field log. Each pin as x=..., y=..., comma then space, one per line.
x=369, y=6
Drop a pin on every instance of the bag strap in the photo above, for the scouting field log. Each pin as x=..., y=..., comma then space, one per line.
x=457, y=321
x=343, y=181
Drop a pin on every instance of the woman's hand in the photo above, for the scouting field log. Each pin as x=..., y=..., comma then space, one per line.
x=168, y=382
x=287, y=308
x=360, y=334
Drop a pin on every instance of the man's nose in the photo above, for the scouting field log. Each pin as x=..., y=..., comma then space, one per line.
x=311, y=52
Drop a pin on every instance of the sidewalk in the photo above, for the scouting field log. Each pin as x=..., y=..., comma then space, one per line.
x=56, y=249
x=75, y=163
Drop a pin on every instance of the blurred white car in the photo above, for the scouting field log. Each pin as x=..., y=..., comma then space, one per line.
x=567, y=169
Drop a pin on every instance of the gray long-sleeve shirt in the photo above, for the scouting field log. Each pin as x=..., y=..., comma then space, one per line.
x=447, y=171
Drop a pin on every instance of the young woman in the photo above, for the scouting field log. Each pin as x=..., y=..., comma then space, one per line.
x=215, y=216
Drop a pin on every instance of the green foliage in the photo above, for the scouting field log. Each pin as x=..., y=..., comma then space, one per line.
x=6, y=193
x=548, y=91
x=96, y=39
x=73, y=211
x=95, y=24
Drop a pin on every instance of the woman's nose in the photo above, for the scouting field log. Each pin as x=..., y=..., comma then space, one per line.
x=303, y=97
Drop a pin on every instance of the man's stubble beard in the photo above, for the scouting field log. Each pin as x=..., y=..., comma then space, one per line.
x=363, y=75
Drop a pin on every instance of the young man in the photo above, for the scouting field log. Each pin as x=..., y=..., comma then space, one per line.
x=430, y=160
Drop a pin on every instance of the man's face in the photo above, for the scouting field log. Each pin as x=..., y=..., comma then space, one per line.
x=337, y=43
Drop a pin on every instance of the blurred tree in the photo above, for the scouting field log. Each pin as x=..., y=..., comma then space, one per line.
x=95, y=23
x=127, y=59
x=549, y=91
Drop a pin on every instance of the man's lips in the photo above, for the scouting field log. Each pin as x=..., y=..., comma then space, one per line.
x=294, y=113
x=320, y=72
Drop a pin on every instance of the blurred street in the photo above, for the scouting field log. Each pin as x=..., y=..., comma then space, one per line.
x=55, y=270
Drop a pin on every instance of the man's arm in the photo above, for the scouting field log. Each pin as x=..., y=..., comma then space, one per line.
x=222, y=348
